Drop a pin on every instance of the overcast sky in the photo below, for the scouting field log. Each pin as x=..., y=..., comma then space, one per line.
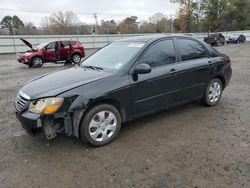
x=34, y=10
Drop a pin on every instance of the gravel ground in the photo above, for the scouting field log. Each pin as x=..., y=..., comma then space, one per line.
x=188, y=146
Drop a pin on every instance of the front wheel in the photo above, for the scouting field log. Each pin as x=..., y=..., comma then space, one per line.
x=213, y=92
x=100, y=125
x=36, y=62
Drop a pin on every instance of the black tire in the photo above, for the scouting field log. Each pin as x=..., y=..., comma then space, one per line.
x=92, y=114
x=30, y=65
x=76, y=58
x=68, y=62
x=207, y=99
x=36, y=62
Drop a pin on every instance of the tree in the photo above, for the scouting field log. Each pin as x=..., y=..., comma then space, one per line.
x=239, y=12
x=12, y=24
x=190, y=15
x=147, y=27
x=29, y=29
x=61, y=23
x=160, y=21
x=108, y=27
x=129, y=25
x=216, y=12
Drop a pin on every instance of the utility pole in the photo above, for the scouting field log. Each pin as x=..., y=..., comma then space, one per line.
x=95, y=16
x=14, y=38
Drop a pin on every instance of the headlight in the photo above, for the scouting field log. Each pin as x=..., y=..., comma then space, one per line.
x=46, y=106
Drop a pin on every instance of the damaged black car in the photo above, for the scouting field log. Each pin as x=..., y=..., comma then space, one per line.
x=125, y=80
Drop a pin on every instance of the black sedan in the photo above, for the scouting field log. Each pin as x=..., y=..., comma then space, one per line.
x=125, y=80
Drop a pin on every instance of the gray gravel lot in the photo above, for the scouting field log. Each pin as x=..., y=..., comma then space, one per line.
x=188, y=146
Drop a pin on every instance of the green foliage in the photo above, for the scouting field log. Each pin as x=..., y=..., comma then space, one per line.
x=213, y=15
x=13, y=24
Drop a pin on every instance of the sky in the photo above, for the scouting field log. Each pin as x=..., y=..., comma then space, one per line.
x=34, y=10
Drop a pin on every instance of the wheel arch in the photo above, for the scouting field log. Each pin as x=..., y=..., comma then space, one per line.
x=222, y=79
x=112, y=102
x=76, y=53
x=37, y=56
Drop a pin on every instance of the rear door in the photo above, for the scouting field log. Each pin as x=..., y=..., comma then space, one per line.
x=161, y=87
x=196, y=66
x=51, y=52
x=65, y=50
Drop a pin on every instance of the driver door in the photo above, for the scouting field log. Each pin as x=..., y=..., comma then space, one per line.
x=162, y=86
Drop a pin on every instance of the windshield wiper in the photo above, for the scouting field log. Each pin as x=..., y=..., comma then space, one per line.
x=93, y=67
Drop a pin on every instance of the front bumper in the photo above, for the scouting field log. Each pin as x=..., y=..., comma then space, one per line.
x=23, y=59
x=29, y=121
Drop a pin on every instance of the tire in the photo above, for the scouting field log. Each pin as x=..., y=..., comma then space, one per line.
x=76, y=58
x=100, y=125
x=68, y=62
x=30, y=65
x=213, y=92
x=36, y=62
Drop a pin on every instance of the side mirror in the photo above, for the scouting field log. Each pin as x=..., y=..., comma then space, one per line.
x=142, y=69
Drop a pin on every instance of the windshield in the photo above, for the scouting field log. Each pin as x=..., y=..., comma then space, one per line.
x=114, y=56
x=42, y=45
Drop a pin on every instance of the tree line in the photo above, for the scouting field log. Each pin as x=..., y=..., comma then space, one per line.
x=67, y=23
x=212, y=15
x=193, y=16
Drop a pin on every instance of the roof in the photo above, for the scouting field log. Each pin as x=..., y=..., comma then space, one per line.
x=147, y=38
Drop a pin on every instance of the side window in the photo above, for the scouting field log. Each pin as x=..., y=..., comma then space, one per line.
x=52, y=45
x=190, y=49
x=73, y=43
x=161, y=53
x=64, y=44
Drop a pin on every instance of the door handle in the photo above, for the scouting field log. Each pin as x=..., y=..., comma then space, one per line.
x=173, y=71
x=210, y=63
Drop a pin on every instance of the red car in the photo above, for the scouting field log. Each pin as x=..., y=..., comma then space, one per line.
x=54, y=51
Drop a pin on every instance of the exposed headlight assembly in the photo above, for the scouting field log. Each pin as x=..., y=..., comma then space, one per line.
x=46, y=106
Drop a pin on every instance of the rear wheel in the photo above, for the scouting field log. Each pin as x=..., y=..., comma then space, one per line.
x=100, y=125
x=76, y=58
x=36, y=62
x=213, y=92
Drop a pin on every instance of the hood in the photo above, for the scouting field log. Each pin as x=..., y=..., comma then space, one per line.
x=58, y=82
x=27, y=43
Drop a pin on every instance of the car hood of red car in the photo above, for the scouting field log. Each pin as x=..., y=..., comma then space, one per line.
x=26, y=42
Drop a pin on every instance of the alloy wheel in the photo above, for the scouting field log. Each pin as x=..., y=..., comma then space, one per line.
x=214, y=92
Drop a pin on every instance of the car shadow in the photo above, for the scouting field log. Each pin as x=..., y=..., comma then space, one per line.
x=48, y=66
x=134, y=125
x=162, y=114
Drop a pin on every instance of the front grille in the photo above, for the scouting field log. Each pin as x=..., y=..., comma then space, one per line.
x=21, y=100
